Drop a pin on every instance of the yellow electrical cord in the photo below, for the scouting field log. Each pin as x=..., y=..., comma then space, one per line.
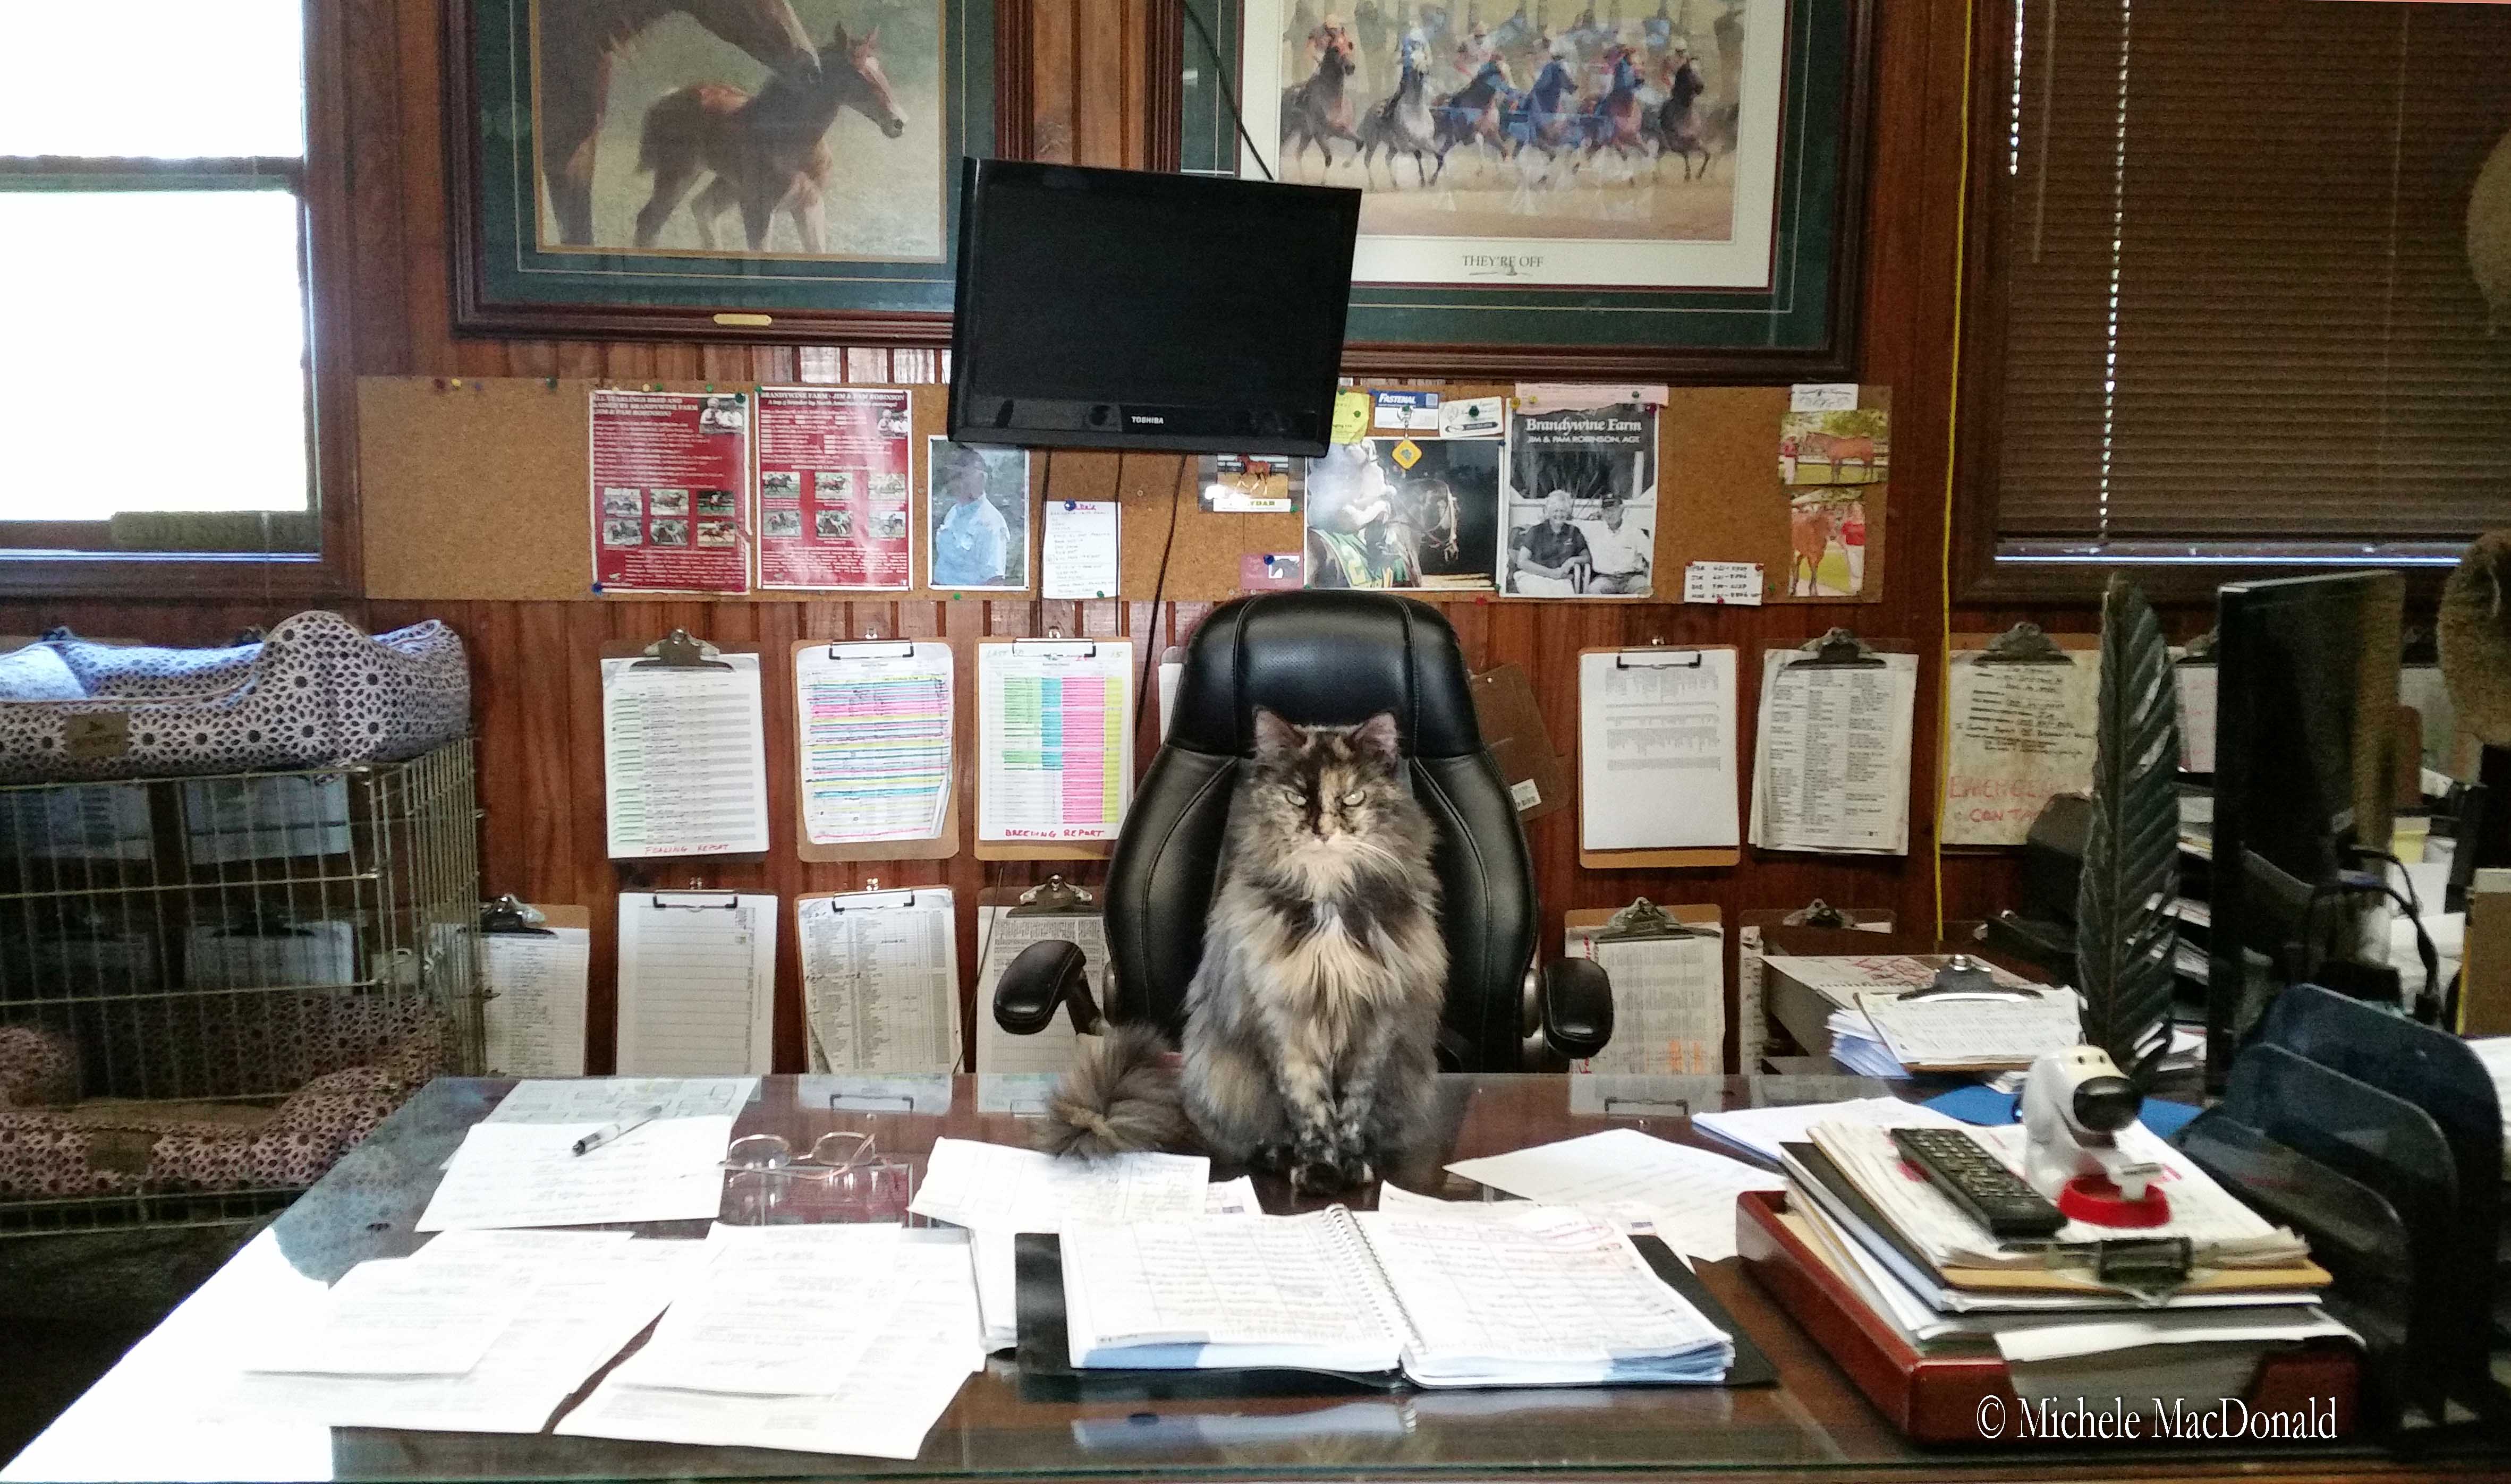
x=1952, y=423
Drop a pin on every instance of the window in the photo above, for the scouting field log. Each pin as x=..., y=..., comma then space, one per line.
x=156, y=212
x=2240, y=289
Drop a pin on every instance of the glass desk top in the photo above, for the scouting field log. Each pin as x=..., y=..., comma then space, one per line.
x=157, y=1415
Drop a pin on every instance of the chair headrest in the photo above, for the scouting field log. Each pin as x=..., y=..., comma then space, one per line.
x=1326, y=659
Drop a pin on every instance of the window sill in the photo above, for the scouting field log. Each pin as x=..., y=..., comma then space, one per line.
x=2049, y=570
x=172, y=575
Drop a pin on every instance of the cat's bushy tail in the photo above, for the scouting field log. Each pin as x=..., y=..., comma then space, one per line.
x=1120, y=1096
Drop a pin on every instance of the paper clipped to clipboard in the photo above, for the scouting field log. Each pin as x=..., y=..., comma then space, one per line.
x=1656, y=753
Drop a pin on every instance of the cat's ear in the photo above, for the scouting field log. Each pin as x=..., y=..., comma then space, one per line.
x=1377, y=737
x=1274, y=737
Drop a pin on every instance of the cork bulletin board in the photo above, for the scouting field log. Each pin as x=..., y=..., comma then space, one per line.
x=477, y=488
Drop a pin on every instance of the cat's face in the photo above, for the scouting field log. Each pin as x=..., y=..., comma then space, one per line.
x=1329, y=786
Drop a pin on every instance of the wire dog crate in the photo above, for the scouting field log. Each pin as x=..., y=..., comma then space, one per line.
x=201, y=947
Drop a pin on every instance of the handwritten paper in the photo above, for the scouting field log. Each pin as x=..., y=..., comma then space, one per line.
x=535, y=1013
x=995, y=1186
x=1054, y=739
x=1831, y=764
x=873, y=725
x=1691, y=1191
x=530, y=1175
x=1656, y=755
x=880, y=981
x=2019, y=733
x=697, y=984
x=1669, y=1001
x=1078, y=552
x=685, y=757
x=1736, y=583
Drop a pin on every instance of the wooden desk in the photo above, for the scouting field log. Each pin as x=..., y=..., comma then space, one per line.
x=157, y=1415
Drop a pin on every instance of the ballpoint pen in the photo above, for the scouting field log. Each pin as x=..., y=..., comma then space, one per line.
x=609, y=1131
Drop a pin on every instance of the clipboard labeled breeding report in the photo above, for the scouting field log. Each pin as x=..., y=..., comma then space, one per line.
x=1055, y=747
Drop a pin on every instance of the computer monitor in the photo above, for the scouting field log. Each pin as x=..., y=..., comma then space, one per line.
x=2306, y=721
x=1125, y=309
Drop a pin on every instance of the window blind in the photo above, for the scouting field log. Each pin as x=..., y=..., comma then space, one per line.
x=2240, y=306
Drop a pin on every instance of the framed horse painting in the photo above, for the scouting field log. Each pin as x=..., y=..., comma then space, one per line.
x=759, y=170
x=1673, y=193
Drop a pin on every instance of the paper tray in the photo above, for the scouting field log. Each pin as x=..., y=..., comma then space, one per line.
x=1046, y=1372
x=1936, y=1399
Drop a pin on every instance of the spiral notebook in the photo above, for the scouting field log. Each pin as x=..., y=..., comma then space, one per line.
x=1543, y=1297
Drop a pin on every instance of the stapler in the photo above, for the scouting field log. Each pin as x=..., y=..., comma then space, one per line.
x=2074, y=1103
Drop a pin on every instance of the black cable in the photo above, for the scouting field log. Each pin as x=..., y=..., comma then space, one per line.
x=1159, y=584
x=1229, y=93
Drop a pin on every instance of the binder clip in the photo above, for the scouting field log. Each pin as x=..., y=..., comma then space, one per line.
x=509, y=915
x=679, y=650
x=1839, y=649
x=1056, y=897
x=1963, y=977
x=2022, y=644
x=1643, y=921
x=1660, y=658
x=1817, y=913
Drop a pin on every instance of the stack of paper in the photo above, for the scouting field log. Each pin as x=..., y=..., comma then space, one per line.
x=997, y=1193
x=1856, y=1045
x=1688, y=1195
x=1972, y=1033
x=1760, y=1131
x=827, y=1339
x=481, y=1332
x=1933, y=1274
x=526, y=1173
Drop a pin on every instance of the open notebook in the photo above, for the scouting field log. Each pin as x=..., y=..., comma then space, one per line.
x=1543, y=1297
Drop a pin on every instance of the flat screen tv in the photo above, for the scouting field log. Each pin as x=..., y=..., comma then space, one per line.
x=1123, y=309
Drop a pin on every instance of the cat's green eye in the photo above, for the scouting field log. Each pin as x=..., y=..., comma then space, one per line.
x=1354, y=799
x=1294, y=797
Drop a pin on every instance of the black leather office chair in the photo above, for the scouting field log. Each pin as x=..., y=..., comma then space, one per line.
x=1326, y=659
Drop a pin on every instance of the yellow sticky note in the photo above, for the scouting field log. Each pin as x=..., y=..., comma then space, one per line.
x=1351, y=416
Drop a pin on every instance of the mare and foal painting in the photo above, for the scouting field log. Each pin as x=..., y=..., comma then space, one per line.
x=731, y=128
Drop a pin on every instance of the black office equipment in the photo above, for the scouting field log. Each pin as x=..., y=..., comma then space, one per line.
x=2304, y=721
x=2381, y=1141
x=1997, y=1197
x=1120, y=309
x=1327, y=658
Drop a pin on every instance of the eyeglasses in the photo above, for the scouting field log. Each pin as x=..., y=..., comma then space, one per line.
x=842, y=1179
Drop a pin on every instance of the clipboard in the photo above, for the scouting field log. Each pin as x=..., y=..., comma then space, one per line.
x=876, y=897
x=2024, y=645
x=1646, y=922
x=1679, y=855
x=680, y=650
x=1512, y=728
x=940, y=847
x=1045, y=849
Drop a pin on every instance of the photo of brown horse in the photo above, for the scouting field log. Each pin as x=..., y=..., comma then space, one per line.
x=819, y=122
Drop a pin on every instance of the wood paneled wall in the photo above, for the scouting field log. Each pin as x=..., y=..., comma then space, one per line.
x=537, y=693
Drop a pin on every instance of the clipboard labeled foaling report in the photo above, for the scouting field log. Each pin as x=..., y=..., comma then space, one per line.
x=1657, y=757
x=1055, y=747
x=1669, y=970
x=876, y=731
x=880, y=979
x=684, y=748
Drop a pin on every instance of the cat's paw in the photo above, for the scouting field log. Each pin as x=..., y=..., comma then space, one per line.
x=1356, y=1171
x=1318, y=1177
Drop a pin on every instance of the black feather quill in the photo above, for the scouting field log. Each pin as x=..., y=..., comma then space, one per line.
x=2125, y=931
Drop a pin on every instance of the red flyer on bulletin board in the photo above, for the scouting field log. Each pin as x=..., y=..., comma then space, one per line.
x=671, y=492
x=832, y=487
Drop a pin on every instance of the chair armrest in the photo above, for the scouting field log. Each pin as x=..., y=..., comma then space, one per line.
x=1578, y=1008
x=1045, y=976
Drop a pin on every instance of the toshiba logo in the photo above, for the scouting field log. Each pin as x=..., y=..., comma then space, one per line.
x=1143, y=417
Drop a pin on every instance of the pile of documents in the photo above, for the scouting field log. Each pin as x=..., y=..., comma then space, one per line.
x=1515, y=1294
x=1935, y=1276
x=1644, y=1185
